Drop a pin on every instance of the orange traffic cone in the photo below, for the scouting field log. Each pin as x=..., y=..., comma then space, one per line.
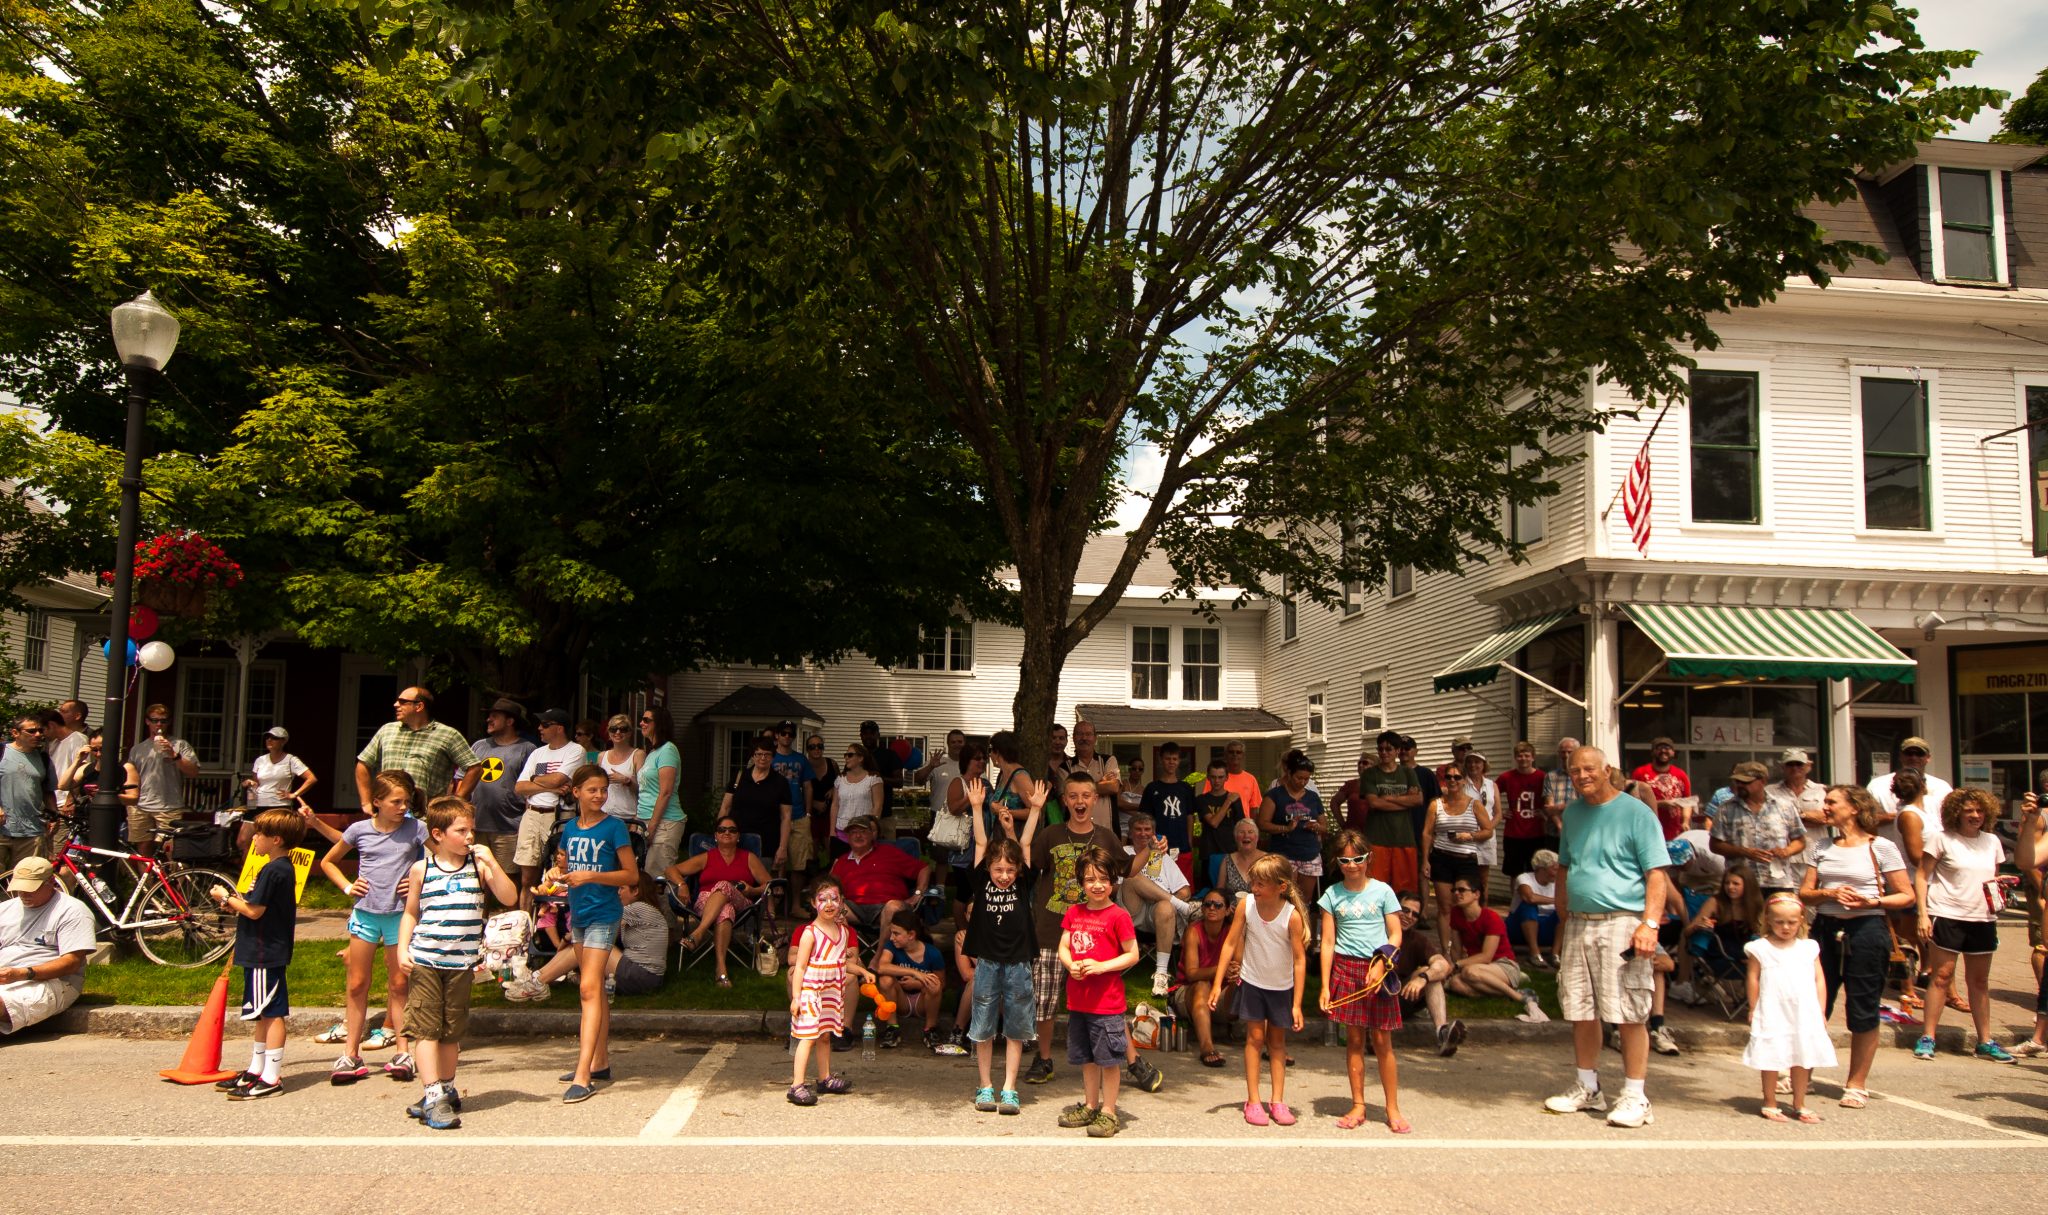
x=201, y=1064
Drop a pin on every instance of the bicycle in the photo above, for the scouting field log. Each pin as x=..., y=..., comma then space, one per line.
x=168, y=910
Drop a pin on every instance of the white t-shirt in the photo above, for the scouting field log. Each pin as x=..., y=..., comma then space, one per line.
x=1703, y=872
x=1937, y=788
x=1163, y=868
x=1527, y=881
x=622, y=801
x=60, y=754
x=274, y=780
x=564, y=759
x=1961, y=867
x=855, y=799
x=942, y=778
x=31, y=935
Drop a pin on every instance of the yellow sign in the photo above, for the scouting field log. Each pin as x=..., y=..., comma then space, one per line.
x=2002, y=671
x=302, y=867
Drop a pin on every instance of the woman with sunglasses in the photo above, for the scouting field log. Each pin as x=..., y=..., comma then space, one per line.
x=1457, y=825
x=825, y=777
x=1485, y=963
x=1200, y=945
x=858, y=791
x=621, y=764
x=660, y=813
x=729, y=879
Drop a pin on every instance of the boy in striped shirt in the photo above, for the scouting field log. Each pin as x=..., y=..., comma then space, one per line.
x=440, y=938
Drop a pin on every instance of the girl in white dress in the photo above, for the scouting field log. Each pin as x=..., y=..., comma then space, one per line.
x=1787, y=1029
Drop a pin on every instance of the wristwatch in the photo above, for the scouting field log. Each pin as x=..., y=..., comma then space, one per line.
x=1652, y=923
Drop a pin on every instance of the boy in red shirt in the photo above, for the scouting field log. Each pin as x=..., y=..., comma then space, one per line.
x=1521, y=812
x=1097, y=944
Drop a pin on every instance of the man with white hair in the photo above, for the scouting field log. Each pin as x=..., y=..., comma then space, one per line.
x=1611, y=885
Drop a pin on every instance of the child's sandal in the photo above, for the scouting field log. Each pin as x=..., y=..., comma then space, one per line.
x=1772, y=1113
x=1855, y=1098
x=1353, y=1120
x=1806, y=1116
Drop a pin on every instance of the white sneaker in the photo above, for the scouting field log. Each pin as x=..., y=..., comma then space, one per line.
x=1577, y=1100
x=1532, y=1012
x=1632, y=1110
x=2027, y=1048
x=1683, y=993
x=1161, y=982
x=527, y=989
x=1662, y=1042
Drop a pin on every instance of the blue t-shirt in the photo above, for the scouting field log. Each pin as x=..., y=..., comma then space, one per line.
x=1361, y=915
x=932, y=963
x=794, y=768
x=595, y=849
x=1168, y=801
x=382, y=858
x=1608, y=851
x=1299, y=844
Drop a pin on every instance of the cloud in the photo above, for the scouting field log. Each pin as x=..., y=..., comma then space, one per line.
x=1143, y=466
x=2012, y=39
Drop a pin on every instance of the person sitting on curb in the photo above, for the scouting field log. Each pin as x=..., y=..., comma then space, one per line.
x=1421, y=968
x=45, y=938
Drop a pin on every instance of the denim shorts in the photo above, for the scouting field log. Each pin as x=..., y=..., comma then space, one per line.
x=1002, y=1002
x=595, y=936
x=378, y=928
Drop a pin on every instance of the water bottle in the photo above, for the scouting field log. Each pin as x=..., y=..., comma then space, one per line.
x=100, y=888
x=867, y=1039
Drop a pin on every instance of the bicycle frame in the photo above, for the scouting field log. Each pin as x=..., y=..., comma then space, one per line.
x=123, y=921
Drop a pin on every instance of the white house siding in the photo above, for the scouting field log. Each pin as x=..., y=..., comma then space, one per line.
x=54, y=682
x=928, y=703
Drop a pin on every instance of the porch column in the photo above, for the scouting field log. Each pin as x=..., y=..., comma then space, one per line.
x=1841, y=733
x=1603, y=682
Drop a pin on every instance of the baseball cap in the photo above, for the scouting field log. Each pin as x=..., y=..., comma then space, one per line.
x=1472, y=755
x=1749, y=769
x=279, y=733
x=1794, y=755
x=553, y=717
x=1462, y=740
x=785, y=727
x=1916, y=743
x=30, y=875
x=868, y=821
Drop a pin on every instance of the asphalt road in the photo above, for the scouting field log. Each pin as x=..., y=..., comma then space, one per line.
x=704, y=1126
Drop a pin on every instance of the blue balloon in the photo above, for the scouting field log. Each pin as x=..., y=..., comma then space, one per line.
x=107, y=649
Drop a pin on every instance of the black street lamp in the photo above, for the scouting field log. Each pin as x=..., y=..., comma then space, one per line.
x=145, y=335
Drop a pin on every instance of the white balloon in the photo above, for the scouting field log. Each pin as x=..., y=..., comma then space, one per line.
x=156, y=656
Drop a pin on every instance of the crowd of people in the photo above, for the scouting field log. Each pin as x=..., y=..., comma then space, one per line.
x=1783, y=895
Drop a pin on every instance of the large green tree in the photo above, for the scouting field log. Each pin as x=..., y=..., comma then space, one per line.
x=2026, y=119
x=1333, y=259
x=429, y=420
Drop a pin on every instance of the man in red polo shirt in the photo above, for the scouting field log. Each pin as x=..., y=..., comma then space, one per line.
x=878, y=882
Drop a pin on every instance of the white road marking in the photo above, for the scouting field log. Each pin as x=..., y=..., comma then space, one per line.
x=1981, y=1124
x=1617, y=1142
x=674, y=1114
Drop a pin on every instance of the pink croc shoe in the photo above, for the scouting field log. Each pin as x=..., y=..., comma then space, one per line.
x=1282, y=1116
x=1255, y=1113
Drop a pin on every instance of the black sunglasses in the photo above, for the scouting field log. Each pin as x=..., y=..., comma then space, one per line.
x=725, y=831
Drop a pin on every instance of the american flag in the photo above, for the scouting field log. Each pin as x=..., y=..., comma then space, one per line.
x=1635, y=500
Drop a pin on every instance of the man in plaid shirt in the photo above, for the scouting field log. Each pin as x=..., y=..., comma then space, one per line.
x=1557, y=787
x=430, y=752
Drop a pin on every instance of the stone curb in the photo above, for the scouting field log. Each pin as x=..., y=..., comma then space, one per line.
x=176, y=1022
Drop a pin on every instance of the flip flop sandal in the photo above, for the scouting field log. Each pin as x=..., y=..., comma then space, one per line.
x=1400, y=1127
x=724, y=980
x=1353, y=1120
x=1806, y=1116
x=1855, y=1098
x=1212, y=1059
x=1772, y=1113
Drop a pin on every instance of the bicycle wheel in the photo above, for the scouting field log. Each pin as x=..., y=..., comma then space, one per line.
x=178, y=924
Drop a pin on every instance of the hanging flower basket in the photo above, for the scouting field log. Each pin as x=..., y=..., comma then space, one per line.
x=177, y=572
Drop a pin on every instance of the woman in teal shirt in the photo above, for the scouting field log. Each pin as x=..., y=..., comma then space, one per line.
x=659, y=808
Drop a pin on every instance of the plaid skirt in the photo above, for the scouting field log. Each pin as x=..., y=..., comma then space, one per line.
x=1381, y=1010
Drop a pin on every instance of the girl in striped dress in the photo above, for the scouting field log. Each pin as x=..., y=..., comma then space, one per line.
x=825, y=951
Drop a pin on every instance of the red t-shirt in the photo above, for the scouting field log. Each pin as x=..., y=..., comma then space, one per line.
x=1472, y=934
x=1521, y=803
x=1101, y=936
x=1668, y=784
x=883, y=874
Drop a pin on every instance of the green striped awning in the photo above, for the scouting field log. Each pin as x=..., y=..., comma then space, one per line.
x=1767, y=642
x=1481, y=664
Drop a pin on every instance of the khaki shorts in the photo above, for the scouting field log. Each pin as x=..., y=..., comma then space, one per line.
x=504, y=845
x=14, y=849
x=534, y=828
x=1594, y=982
x=34, y=1001
x=664, y=845
x=802, y=848
x=437, y=1004
x=143, y=823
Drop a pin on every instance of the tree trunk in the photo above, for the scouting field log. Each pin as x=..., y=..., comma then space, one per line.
x=1045, y=580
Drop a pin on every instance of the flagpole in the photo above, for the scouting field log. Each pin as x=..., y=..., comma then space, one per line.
x=1645, y=443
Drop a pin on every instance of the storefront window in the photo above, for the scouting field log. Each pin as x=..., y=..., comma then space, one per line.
x=1717, y=726
x=2001, y=707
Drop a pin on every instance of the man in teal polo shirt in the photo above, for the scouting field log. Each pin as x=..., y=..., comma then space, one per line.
x=1611, y=860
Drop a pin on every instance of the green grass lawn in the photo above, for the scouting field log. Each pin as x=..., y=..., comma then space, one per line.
x=317, y=979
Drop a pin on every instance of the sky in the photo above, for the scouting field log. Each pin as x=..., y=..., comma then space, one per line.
x=2012, y=38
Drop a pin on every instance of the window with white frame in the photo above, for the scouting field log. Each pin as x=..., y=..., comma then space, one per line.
x=1967, y=211
x=206, y=708
x=1201, y=663
x=1151, y=661
x=1723, y=419
x=1400, y=581
x=35, y=639
x=1316, y=725
x=1373, y=695
x=947, y=649
x=1895, y=455
x=1525, y=522
x=1290, y=618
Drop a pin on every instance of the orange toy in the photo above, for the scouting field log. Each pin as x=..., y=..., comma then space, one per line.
x=885, y=1009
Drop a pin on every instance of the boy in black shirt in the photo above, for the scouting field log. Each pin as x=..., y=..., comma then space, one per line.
x=1169, y=799
x=1002, y=941
x=263, y=948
